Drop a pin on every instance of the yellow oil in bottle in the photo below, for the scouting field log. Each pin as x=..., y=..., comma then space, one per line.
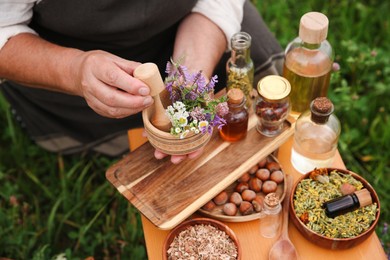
x=308, y=72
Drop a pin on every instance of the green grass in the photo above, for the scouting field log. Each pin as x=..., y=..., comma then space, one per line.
x=51, y=204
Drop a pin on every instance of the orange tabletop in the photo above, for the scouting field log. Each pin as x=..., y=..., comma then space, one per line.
x=256, y=247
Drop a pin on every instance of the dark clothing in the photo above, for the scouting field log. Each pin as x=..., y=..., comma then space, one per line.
x=65, y=123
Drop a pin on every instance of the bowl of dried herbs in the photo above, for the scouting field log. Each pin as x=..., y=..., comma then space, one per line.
x=201, y=238
x=308, y=211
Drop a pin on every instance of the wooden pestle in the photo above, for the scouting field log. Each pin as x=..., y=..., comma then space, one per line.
x=150, y=75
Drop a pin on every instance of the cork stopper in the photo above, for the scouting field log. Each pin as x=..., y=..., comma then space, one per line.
x=271, y=199
x=313, y=27
x=321, y=108
x=364, y=197
x=235, y=96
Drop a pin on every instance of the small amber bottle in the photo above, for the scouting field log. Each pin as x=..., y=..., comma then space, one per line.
x=347, y=203
x=237, y=118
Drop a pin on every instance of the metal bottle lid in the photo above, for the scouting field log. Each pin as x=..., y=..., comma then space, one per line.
x=313, y=27
x=274, y=87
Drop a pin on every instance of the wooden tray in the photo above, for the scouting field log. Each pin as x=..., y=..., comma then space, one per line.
x=167, y=194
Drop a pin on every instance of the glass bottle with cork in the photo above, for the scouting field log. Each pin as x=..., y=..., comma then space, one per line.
x=308, y=62
x=239, y=67
x=316, y=135
x=237, y=118
x=270, y=217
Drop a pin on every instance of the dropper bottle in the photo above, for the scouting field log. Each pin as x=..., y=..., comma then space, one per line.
x=347, y=203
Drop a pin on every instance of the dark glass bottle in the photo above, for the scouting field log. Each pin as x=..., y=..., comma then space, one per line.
x=347, y=203
x=239, y=67
x=237, y=118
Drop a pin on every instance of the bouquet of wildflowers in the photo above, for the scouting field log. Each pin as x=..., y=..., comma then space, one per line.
x=193, y=107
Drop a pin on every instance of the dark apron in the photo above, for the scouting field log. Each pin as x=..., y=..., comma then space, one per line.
x=135, y=30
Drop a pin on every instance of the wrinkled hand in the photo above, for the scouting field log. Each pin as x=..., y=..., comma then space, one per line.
x=107, y=84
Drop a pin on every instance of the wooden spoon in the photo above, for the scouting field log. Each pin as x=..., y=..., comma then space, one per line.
x=150, y=75
x=284, y=248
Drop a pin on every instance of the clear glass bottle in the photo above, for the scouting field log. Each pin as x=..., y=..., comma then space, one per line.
x=239, y=67
x=316, y=135
x=237, y=118
x=308, y=62
x=272, y=105
x=270, y=217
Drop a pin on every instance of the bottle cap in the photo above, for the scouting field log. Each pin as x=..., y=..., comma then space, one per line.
x=274, y=87
x=321, y=108
x=313, y=27
x=364, y=197
x=235, y=96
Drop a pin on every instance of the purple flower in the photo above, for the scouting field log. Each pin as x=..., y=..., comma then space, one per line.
x=335, y=66
x=191, y=95
x=183, y=73
x=197, y=96
x=170, y=69
x=199, y=82
x=385, y=229
x=218, y=122
x=198, y=114
x=210, y=86
x=222, y=109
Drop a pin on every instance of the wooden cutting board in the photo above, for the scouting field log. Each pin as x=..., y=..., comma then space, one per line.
x=167, y=194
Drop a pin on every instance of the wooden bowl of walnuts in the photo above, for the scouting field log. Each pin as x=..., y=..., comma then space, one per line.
x=201, y=238
x=243, y=200
x=308, y=214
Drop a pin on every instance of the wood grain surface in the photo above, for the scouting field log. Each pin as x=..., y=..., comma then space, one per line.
x=167, y=194
x=256, y=247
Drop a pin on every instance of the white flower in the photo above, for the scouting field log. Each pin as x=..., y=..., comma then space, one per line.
x=203, y=124
x=184, y=134
x=183, y=121
x=179, y=106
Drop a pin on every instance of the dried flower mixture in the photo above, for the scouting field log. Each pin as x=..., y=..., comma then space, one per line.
x=311, y=193
x=200, y=242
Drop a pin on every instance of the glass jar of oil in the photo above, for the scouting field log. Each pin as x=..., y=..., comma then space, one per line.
x=236, y=126
x=308, y=62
